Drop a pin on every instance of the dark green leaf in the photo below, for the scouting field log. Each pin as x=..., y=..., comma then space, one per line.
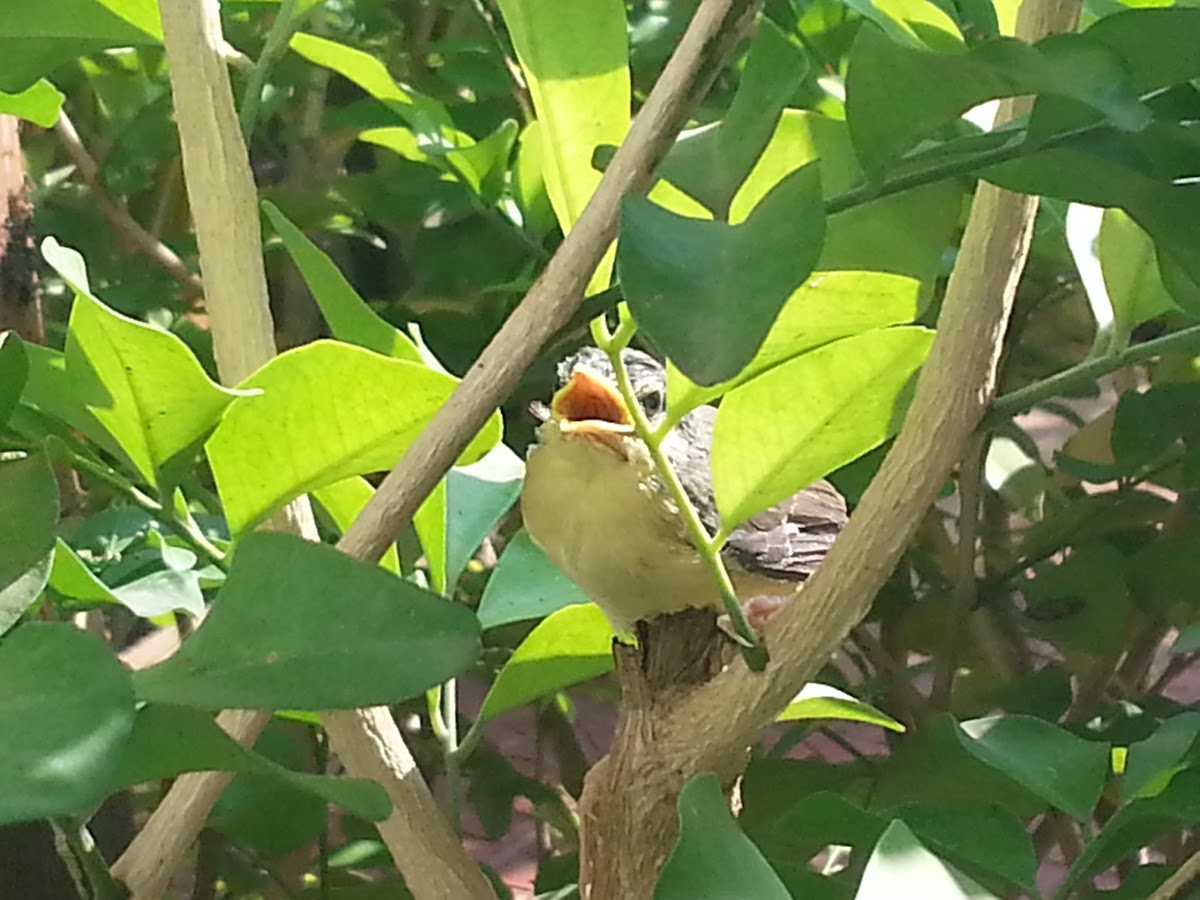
x=28, y=519
x=1064, y=770
x=898, y=94
x=170, y=740
x=65, y=713
x=710, y=163
x=299, y=625
x=1136, y=825
x=713, y=858
x=706, y=293
x=14, y=368
x=1153, y=762
x=1081, y=602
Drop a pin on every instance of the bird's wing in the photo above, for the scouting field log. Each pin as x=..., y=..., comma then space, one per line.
x=787, y=541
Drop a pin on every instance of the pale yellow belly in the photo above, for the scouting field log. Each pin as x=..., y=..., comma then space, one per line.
x=594, y=516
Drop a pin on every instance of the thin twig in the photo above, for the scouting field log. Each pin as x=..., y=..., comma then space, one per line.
x=966, y=586
x=282, y=28
x=1085, y=373
x=894, y=673
x=117, y=216
x=1184, y=875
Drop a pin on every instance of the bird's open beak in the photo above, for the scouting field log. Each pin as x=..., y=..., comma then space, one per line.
x=588, y=406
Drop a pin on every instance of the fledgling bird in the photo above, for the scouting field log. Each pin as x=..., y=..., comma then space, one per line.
x=595, y=503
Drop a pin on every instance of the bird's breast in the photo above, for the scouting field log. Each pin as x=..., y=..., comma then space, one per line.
x=599, y=515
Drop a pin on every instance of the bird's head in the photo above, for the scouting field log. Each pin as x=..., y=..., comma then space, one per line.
x=588, y=405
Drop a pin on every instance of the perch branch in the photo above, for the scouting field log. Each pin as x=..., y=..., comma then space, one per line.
x=628, y=807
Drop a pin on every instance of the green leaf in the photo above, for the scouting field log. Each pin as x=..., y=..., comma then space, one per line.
x=71, y=578
x=357, y=412
x=710, y=163
x=164, y=591
x=525, y=585
x=52, y=391
x=898, y=94
x=707, y=293
x=347, y=314
x=792, y=815
x=428, y=118
x=170, y=740
x=1064, y=770
x=821, y=701
x=476, y=497
x=912, y=23
x=568, y=646
x=713, y=858
x=1152, y=763
x=35, y=42
x=901, y=866
x=829, y=306
x=40, y=104
x=483, y=166
x=801, y=420
x=1080, y=603
x=65, y=712
x=1130, y=266
x=14, y=370
x=987, y=843
x=1146, y=174
x=302, y=626
x=1137, y=825
x=28, y=519
x=343, y=501
x=576, y=63
x=141, y=383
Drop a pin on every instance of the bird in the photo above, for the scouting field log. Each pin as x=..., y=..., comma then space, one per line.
x=596, y=504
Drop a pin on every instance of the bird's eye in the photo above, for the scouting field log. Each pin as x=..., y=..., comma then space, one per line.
x=653, y=401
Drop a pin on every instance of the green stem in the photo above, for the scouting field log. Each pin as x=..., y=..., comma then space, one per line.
x=708, y=548
x=183, y=528
x=469, y=741
x=83, y=858
x=450, y=750
x=964, y=165
x=1086, y=372
x=277, y=40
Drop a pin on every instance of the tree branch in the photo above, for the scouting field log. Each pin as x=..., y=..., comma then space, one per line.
x=224, y=205
x=118, y=217
x=558, y=290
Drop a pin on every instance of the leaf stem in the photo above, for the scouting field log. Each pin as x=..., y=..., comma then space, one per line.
x=282, y=28
x=1084, y=373
x=186, y=529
